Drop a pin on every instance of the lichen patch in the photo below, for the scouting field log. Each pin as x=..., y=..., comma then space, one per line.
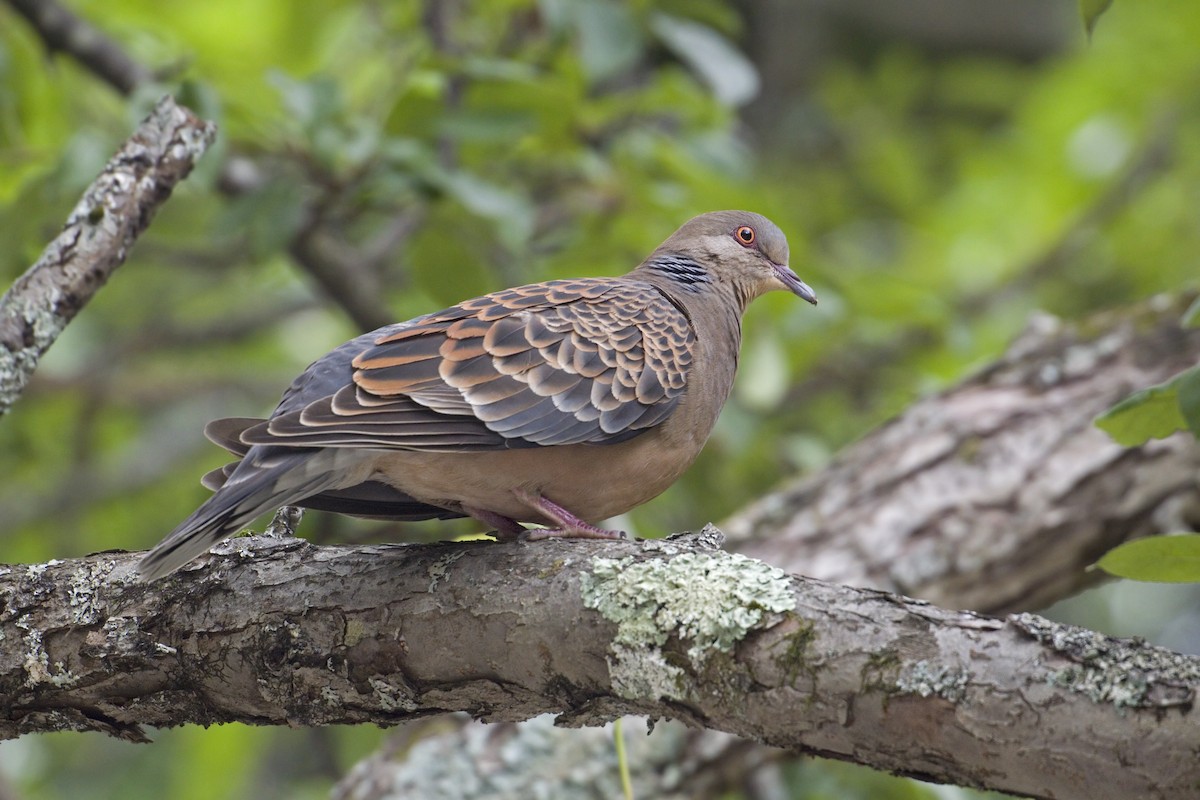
x=710, y=600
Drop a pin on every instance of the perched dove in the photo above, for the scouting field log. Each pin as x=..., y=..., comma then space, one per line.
x=561, y=403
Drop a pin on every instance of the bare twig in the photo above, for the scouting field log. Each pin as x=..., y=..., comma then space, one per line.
x=101, y=229
x=342, y=274
x=438, y=17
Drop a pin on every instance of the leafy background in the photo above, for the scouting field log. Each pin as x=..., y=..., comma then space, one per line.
x=939, y=184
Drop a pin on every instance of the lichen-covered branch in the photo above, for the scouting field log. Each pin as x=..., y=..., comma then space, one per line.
x=301, y=635
x=97, y=236
x=998, y=493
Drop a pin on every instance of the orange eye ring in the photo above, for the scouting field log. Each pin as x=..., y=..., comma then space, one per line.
x=745, y=236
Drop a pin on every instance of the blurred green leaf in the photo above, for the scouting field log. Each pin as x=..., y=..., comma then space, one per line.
x=267, y=217
x=1161, y=559
x=765, y=373
x=311, y=101
x=1091, y=11
x=1151, y=413
x=1188, y=387
x=500, y=69
x=486, y=126
x=511, y=212
x=610, y=40
x=723, y=68
x=1191, y=317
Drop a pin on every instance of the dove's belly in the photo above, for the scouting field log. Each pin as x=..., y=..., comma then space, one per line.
x=593, y=482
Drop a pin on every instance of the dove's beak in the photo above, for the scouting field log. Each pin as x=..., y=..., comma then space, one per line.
x=796, y=286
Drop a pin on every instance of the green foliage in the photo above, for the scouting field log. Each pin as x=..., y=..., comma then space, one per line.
x=1161, y=559
x=818, y=779
x=1159, y=411
x=1156, y=412
x=1187, y=387
x=1191, y=317
x=1091, y=11
x=933, y=200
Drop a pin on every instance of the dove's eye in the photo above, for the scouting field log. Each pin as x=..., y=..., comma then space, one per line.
x=745, y=236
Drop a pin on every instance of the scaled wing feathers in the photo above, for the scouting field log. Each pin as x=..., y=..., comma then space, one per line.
x=594, y=361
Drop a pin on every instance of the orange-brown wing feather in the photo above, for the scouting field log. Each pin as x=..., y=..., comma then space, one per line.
x=593, y=361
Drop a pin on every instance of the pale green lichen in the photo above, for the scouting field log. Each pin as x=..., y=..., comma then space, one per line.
x=37, y=664
x=86, y=607
x=645, y=672
x=440, y=568
x=1128, y=673
x=933, y=680
x=392, y=697
x=710, y=600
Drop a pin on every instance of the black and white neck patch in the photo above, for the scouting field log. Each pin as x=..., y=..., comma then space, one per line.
x=680, y=269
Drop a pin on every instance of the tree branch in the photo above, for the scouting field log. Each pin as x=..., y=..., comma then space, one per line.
x=62, y=31
x=674, y=629
x=97, y=236
x=998, y=493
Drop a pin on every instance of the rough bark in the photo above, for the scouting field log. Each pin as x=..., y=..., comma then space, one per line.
x=675, y=629
x=996, y=494
x=97, y=236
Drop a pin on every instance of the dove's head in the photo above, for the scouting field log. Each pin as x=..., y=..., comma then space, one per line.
x=739, y=248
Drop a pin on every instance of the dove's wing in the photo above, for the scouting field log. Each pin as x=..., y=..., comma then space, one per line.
x=588, y=361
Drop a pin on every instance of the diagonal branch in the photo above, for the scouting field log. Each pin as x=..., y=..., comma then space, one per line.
x=342, y=273
x=675, y=629
x=998, y=493
x=62, y=31
x=97, y=236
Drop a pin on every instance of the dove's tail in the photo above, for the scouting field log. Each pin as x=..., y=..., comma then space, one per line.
x=267, y=478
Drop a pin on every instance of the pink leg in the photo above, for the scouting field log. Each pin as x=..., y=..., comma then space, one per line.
x=507, y=530
x=569, y=525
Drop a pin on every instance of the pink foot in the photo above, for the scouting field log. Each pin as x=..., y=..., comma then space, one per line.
x=507, y=530
x=569, y=525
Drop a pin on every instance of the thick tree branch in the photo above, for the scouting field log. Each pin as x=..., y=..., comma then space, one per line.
x=996, y=494
x=672, y=629
x=97, y=236
x=505, y=761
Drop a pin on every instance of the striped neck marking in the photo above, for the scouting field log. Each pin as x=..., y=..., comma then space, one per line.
x=680, y=269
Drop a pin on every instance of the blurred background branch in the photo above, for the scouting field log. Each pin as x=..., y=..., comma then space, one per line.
x=64, y=32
